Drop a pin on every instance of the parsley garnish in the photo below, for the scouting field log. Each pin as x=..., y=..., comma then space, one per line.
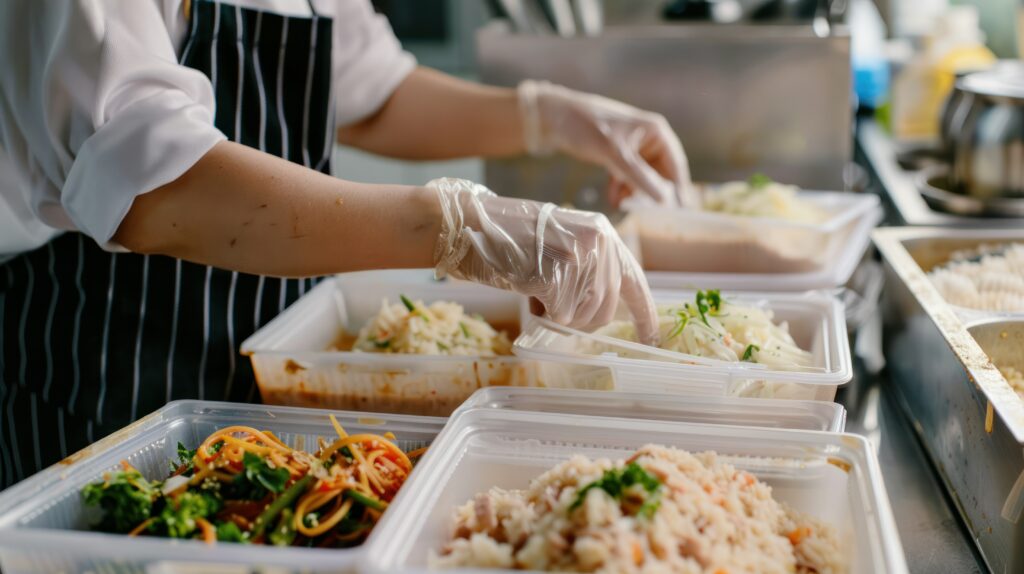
x=759, y=181
x=708, y=303
x=748, y=353
x=617, y=481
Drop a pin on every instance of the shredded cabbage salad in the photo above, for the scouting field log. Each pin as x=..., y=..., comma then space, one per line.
x=714, y=327
x=759, y=196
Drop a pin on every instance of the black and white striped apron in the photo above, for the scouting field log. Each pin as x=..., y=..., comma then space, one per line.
x=91, y=340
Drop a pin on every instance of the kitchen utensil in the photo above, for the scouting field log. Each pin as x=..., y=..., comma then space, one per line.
x=934, y=184
x=988, y=154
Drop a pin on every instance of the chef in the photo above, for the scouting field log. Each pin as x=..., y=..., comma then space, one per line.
x=165, y=191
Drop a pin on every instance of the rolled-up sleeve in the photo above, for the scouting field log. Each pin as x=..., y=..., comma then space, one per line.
x=95, y=110
x=369, y=62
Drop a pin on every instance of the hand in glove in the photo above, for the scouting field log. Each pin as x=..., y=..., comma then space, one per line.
x=638, y=148
x=573, y=262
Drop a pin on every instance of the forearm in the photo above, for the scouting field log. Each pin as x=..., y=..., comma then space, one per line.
x=435, y=116
x=244, y=210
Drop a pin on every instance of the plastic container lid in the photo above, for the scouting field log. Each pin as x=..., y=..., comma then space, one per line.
x=832, y=476
x=44, y=525
x=771, y=413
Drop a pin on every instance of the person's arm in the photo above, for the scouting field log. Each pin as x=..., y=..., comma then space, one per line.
x=241, y=209
x=433, y=116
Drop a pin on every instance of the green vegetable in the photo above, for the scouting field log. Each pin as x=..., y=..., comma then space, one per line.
x=125, y=497
x=185, y=457
x=708, y=302
x=382, y=344
x=365, y=500
x=179, y=514
x=285, y=532
x=442, y=346
x=408, y=303
x=759, y=181
x=617, y=481
x=681, y=323
x=286, y=499
x=465, y=330
x=748, y=353
x=230, y=532
x=260, y=477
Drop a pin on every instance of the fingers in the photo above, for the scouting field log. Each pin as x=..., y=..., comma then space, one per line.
x=637, y=296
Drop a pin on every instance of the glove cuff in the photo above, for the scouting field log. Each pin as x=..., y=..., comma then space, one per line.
x=529, y=111
x=454, y=241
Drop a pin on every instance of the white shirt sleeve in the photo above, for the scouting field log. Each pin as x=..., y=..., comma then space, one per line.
x=95, y=110
x=369, y=62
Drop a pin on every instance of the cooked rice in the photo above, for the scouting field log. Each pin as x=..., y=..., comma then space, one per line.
x=442, y=328
x=1015, y=377
x=712, y=518
x=772, y=199
x=993, y=283
x=726, y=335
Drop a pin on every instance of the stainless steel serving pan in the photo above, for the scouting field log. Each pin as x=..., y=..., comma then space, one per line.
x=969, y=419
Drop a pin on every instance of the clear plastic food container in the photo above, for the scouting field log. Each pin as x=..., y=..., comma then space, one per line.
x=294, y=363
x=816, y=321
x=774, y=413
x=681, y=248
x=834, y=477
x=44, y=524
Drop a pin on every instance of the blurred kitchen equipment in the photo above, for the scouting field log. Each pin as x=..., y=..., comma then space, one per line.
x=560, y=13
x=688, y=10
x=934, y=185
x=589, y=16
x=515, y=11
x=738, y=95
x=953, y=114
x=988, y=157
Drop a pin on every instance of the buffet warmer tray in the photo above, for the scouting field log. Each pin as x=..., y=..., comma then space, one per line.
x=970, y=420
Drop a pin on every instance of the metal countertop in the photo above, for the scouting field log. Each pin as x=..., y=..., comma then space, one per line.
x=934, y=540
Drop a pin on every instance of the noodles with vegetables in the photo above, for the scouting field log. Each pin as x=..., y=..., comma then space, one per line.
x=245, y=485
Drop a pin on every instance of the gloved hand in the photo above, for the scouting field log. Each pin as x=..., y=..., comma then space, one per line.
x=638, y=148
x=573, y=262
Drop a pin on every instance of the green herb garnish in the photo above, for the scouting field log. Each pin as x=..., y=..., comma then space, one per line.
x=465, y=330
x=408, y=303
x=708, y=303
x=748, y=353
x=681, y=323
x=442, y=346
x=617, y=481
x=759, y=181
x=184, y=463
x=258, y=478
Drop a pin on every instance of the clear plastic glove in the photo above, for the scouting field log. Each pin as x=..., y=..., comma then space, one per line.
x=638, y=148
x=573, y=262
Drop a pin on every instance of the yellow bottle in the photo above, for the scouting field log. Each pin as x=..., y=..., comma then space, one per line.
x=919, y=91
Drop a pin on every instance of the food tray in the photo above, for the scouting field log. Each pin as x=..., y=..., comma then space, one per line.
x=832, y=476
x=775, y=413
x=687, y=248
x=816, y=321
x=293, y=365
x=43, y=523
x=969, y=419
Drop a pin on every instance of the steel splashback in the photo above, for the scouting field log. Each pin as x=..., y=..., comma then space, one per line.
x=743, y=98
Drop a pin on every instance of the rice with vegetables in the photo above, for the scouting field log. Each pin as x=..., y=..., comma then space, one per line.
x=441, y=328
x=714, y=327
x=661, y=510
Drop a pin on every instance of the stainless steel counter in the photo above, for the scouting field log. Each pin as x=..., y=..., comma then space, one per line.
x=933, y=538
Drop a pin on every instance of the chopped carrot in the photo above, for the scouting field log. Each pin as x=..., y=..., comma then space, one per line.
x=138, y=529
x=798, y=534
x=638, y=553
x=207, y=529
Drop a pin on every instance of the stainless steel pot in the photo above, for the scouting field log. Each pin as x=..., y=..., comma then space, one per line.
x=988, y=136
